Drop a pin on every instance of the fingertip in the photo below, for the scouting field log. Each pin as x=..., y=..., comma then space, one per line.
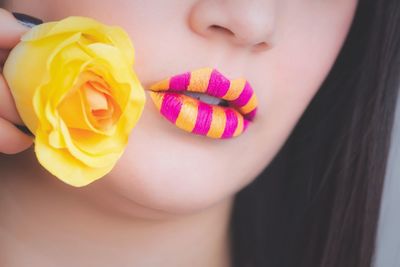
x=12, y=140
x=24, y=129
x=27, y=20
x=10, y=30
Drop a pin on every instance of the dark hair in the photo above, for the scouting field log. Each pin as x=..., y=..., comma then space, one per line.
x=317, y=203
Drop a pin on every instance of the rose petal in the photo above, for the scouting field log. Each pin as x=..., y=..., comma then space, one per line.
x=37, y=64
x=119, y=91
x=97, y=161
x=122, y=41
x=96, y=144
x=72, y=112
x=38, y=32
x=117, y=74
x=96, y=99
x=47, y=99
x=92, y=30
x=66, y=26
x=56, y=140
x=64, y=165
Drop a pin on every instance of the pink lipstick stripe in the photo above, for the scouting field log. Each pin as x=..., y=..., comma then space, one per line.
x=218, y=85
x=231, y=123
x=244, y=96
x=203, y=120
x=179, y=82
x=170, y=107
x=251, y=114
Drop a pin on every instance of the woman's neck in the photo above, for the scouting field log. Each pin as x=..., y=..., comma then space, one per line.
x=46, y=223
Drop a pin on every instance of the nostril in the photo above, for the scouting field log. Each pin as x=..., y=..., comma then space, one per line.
x=261, y=46
x=221, y=29
x=256, y=47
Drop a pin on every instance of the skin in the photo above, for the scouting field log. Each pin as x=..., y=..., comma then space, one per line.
x=171, y=191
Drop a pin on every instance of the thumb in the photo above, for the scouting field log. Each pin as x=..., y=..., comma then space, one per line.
x=12, y=26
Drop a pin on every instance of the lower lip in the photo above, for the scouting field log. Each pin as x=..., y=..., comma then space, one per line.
x=198, y=117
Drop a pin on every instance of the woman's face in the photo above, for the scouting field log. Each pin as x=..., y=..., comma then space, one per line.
x=284, y=48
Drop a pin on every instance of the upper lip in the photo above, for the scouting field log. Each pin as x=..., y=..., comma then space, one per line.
x=236, y=92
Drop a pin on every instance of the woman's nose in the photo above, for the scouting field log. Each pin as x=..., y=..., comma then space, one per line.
x=249, y=23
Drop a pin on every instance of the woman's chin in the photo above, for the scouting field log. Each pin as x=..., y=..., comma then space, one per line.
x=166, y=190
x=140, y=190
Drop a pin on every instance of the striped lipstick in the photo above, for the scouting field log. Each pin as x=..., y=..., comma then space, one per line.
x=198, y=117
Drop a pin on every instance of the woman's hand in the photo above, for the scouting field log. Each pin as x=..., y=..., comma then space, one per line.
x=12, y=140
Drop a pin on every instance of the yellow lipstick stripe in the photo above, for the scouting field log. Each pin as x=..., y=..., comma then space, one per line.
x=218, y=122
x=252, y=104
x=161, y=85
x=189, y=107
x=157, y=99
x=239, y=128
x=235, y=89
x=199, y=80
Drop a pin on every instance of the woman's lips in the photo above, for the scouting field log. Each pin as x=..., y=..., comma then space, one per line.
x=201, y=118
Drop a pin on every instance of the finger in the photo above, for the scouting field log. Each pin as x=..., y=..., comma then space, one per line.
x=12, y=140
x=10, y=29
x=8, y=109
x=3, y=56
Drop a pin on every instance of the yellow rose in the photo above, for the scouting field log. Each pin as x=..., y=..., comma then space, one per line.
x=75, y=89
